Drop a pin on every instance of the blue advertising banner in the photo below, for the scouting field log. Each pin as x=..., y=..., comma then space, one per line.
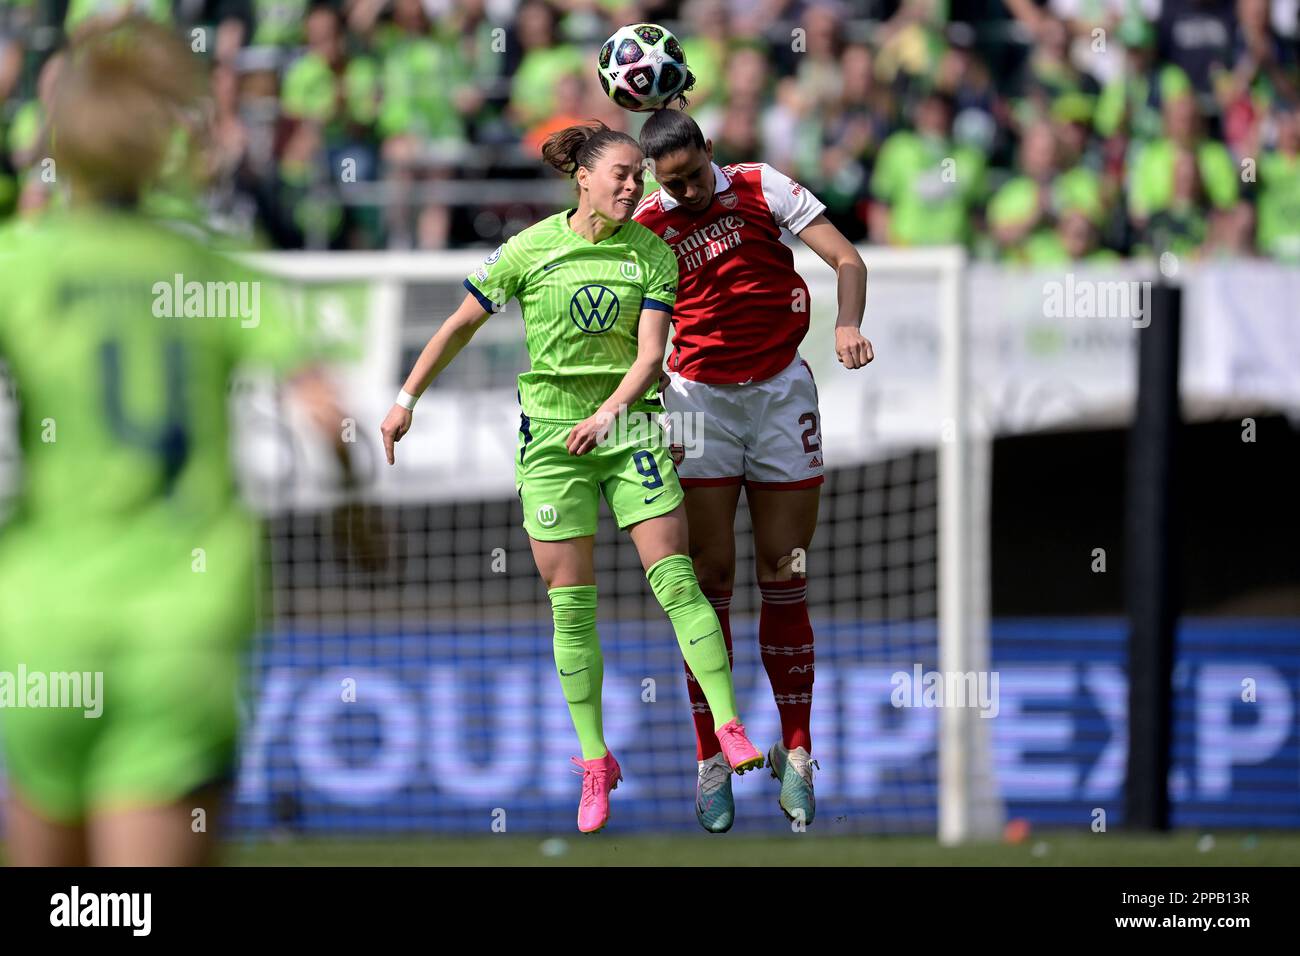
x=460, y=728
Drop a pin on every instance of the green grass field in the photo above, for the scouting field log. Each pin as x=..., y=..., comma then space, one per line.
x=1047, y=849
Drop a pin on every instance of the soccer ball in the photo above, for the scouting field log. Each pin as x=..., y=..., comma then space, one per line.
x=642, y=67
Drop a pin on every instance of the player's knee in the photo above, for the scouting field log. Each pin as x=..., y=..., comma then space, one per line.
x=573, y=612
x=714, y=577
x=715, y=563
x=785, y=566
x=576, y=645
x=673, y=582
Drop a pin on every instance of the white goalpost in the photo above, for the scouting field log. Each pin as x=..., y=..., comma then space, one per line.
x=969, y=808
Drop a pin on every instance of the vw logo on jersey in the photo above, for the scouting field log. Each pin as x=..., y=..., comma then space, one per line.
x=594, y=309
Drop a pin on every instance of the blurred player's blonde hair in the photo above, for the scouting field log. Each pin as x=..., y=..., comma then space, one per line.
x=127, y=92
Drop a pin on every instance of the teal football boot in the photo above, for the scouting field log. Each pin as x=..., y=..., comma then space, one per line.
x=715, y=807
x=794, y=768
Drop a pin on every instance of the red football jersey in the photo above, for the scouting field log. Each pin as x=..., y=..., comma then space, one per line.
x=741, y=308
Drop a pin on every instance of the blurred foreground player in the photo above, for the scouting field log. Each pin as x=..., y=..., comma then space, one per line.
x=127, y=555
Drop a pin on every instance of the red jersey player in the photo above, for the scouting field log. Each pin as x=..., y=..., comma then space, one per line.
x=735, y=372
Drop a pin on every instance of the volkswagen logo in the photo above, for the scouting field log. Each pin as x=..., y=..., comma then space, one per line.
x=594, y=309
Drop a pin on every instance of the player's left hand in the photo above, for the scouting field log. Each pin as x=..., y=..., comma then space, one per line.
x=587, y=434
x=853, y=350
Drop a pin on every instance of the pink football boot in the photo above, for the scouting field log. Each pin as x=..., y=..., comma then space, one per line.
x=740, y=753
x=599, y=777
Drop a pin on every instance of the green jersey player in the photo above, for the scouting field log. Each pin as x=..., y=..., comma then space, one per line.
x=596, y=292
x=127, y=567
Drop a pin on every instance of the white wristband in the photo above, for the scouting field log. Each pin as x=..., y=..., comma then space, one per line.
x=406, y=400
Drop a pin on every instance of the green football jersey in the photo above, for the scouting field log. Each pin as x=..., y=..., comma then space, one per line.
x=120, y=336
x=81, y=10
x=581, y=304
x=931, y=187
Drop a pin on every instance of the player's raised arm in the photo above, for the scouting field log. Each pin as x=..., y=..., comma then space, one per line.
x=853, y=350
x=452, y=336
x=652, y=336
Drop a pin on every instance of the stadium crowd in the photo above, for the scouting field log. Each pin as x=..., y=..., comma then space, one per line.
x=1075, y=130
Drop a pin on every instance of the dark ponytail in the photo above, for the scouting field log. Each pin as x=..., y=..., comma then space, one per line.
x=668, y=131
x=686, y=88
x=582, y=145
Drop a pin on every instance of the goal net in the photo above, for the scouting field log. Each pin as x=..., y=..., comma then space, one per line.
x=405, y=679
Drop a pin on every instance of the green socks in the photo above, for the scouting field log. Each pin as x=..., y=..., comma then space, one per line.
x=579, y=664
x=581, y=668
x=698, y=632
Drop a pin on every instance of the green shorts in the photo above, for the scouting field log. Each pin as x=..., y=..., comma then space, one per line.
x=158, y=639
x=561, y=492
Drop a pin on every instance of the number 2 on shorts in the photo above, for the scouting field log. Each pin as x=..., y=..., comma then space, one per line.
x=809, y=436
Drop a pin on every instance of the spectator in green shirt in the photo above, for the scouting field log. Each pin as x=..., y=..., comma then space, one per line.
x=532, y=89
x=1152, y=177
x=1179, y=225
x=706, y=44
x=479, y=53
x=1031, y=202
x=1278, y=231
x=748, y=88
x=926, y=187
x=337, y=96
x=1074, y=240
x=1049, y=74
x=834, y=144
x=281, y=23
x=911, y=43
x=1129, y=105
x=316, y=214
x=428, y=92
x=819, y=70
x=428, y=100
x=327, y=87
x=24, y=137
x=26, y=189
x=81, y=11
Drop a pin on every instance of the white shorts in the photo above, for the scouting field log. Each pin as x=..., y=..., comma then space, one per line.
x=765, y=434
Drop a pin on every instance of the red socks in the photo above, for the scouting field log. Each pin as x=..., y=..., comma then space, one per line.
x=785, y=641
x=706, y=742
